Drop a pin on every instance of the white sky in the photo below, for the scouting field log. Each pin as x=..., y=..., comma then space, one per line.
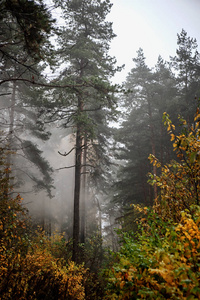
x=152, y=25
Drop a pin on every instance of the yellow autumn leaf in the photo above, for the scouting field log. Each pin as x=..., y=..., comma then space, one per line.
x=122, y=284
x=165, y=274
x=172, y=137
x=168, y=128
x=197, y=117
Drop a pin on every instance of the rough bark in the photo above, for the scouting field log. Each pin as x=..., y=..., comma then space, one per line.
x=153, y=147
x=11, y=125
x=77, y=187
x=84, y=192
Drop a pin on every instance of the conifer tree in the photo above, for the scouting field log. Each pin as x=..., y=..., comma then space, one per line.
x=186, y=65
x=84, y=44
x=152, y=91
x=25, y=29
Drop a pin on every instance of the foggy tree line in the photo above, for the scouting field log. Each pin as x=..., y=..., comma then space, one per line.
x=80, y=98
x=76, y=147
x=80, y=101
x=171, y=86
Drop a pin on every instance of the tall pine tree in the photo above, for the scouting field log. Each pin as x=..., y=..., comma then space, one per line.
x=83, y=51
x=186, y=66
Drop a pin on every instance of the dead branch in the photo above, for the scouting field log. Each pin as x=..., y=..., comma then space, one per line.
x=65, y=154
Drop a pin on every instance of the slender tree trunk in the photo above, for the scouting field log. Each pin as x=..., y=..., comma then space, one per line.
x=43, y=214
x=161, y=145
x=11, y=126
x=152, y=143
x=112, y=234
x=84, y=191
x=100, y=217
x=77, y=186
x=100, y=230
x=49, y=219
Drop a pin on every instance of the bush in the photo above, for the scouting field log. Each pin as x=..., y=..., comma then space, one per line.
x=31, y=265
x=158, y=266
x=163, y=261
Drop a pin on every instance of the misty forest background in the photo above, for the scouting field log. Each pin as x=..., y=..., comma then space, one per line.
x=84, y=209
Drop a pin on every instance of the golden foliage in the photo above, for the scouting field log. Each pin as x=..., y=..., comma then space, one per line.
x=163, y=261
x=179, y=180
x=22, y=276
x=31, y=267
x=170, y=271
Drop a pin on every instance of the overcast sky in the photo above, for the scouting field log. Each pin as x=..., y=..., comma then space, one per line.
x=152, y=25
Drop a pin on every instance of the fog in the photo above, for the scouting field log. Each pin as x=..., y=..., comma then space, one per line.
x=44, y=106
x=42, y=172
x=58, y=210
x=56, y=213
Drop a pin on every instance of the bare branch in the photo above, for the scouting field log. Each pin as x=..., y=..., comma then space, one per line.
x=71, y=86
x=86, y=165
x=65, y=154
x=6, y=94
x=65, y=168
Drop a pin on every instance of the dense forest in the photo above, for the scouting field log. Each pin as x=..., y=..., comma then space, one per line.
x=100, y=183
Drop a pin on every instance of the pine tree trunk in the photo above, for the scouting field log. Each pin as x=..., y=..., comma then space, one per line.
x=11, y=125
x=77, y=187
x=152, y=144
x=83, y=198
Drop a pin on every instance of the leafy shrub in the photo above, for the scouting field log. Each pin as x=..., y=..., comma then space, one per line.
x=163, y=261
x=179, y=180
x=32, y=266
x=158, y=266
